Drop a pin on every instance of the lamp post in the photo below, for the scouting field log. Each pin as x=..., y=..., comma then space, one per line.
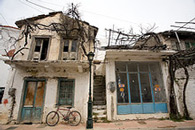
x=89, y=118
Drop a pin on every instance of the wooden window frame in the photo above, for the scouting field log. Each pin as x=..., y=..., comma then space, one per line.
x=70, y=43
x=33, y=45
x=58, y=92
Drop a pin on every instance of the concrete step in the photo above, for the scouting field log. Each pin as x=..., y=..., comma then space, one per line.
x=100, y=98
x=99, y=91
x=99, y=107
x=99, y=102
x=99, y=116
x=99, y=112
x=98, y=94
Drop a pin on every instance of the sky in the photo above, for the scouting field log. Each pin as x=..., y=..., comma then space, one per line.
x=107, y=14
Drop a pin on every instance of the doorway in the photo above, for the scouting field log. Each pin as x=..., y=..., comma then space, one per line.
x=33, y=101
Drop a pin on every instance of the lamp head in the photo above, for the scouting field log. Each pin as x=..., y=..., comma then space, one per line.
x=90, y=56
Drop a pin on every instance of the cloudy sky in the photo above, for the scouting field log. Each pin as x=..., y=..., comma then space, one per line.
x=120, y=14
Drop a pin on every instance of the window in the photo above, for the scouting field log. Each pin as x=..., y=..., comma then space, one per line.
x=66, y=92
x=175, y=45
x=140, y=88
x=69, y=49
x=41, y=48
x=139, y=82
x=189, y=45
x=1, y=93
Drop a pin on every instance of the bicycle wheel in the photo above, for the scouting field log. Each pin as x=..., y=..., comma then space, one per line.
x=74, y=118
x=52, y=118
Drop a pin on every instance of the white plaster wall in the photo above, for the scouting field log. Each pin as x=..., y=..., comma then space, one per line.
x=111, y=98
x=6, y=43
x=4, y=73
x=15, y=81
x=190, y=91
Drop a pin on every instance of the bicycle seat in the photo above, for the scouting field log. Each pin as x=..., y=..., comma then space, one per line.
x=69, y=107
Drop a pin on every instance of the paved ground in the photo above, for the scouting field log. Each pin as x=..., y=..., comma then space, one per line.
x=118, y=125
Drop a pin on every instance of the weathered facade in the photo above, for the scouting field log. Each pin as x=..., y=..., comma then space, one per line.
x=138, y=79
x=49, y=67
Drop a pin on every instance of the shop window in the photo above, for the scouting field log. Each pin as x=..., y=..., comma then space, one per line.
x=66, y=92
x=1, y=93
x=139, y=82
x=41, y=48
x=69, y=49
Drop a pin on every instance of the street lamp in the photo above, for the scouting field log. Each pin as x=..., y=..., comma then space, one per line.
x=89, y=118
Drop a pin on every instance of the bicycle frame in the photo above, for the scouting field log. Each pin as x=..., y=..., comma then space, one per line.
x=65, y=116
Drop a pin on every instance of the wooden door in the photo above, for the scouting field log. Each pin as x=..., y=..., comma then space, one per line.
x=33, y=101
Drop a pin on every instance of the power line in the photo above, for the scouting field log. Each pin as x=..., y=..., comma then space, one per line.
x=30, y=6
x=40, y=5
x=110, y=17
x=50, y=3
x=4, y=19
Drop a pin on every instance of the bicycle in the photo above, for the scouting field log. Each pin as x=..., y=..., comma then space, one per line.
x=73, y=117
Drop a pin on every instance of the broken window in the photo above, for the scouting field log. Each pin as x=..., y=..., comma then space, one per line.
x=66, y=92
x=69, y=49
x=41, y=48
x=1, y=93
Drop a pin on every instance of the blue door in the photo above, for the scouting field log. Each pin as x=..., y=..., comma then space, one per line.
x=140, y=88
x=33, y=101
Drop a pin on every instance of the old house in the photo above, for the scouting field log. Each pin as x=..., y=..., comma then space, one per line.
x=49, y=67
x=138, y=79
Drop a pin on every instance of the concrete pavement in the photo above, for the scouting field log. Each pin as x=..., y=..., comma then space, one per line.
x=117, y=125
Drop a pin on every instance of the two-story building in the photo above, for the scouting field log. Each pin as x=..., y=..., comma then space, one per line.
x=52, y=69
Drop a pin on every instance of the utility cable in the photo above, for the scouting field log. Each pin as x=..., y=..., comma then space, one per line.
x=40, y=6
x=30, y=6
x=4, y=19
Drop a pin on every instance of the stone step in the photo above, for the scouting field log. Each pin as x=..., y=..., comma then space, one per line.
x=99, y=116
x=99, y=77
x=99, y=106
x=99, y=112
x=98, y=94
x=99, y=98
x=98, y=89
x=99, y=102
x=99, y=86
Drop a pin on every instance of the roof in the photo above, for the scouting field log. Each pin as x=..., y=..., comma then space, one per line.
x=172, y=32
x=7, y=26
x=23, y=21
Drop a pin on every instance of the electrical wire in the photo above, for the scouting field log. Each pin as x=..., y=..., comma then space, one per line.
x=30, y=6
x=40, y=5
x=4, y=19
